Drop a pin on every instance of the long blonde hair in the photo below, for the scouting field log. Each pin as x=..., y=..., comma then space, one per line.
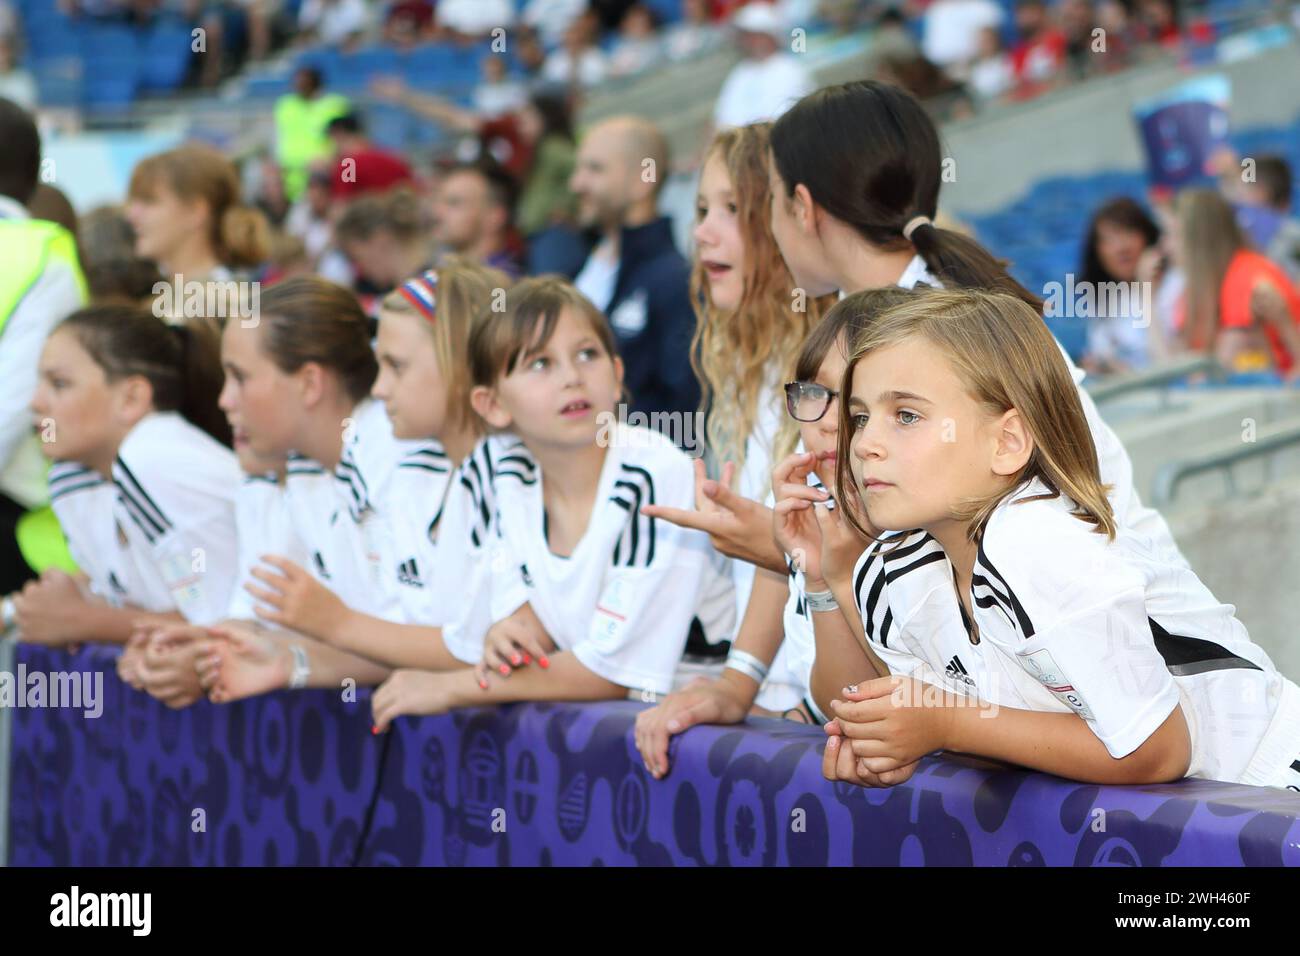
x=1006, y=358
x=1210, y=238
x=464, y=296
x=732, y=350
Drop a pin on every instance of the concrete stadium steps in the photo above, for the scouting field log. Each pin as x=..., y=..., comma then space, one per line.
x=1247, y=551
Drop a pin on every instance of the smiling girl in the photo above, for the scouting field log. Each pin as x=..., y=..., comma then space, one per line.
x=1103, y=661
x=601, y=596
x=143, y=485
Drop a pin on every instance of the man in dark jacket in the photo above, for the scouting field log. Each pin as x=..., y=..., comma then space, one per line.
x=635, y=274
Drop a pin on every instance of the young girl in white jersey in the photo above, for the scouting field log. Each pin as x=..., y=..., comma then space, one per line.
x=1106, y=662
x=425, y=552
x=601, y=597
x=143, y=481
x=768, y=671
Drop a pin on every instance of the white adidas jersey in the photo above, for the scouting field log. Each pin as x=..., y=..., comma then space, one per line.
x=161, y=534
x=623, y=602
x=263, y=527
x=1069, y=621
x=338, y=517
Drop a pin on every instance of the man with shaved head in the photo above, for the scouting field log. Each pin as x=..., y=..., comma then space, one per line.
x=635, y=274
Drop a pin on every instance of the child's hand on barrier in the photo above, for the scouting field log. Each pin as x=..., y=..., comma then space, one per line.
x=512, y=642
x=839, y=763
x=128, y=662
x=243, y=662
x=891, y=722
x=411, y=692
x=51, y=611
x=166, y=668
x=296, y=600
x=703, y=701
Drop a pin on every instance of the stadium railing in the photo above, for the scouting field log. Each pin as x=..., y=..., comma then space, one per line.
x=1158, y=377
x=298, y=778
x=1268, y=440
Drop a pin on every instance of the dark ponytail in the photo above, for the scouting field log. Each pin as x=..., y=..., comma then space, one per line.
x=869, y=154
x=181, y=363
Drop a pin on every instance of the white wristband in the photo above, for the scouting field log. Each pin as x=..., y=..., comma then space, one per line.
x=747, y=664
x=301, y=669
x=820, y=601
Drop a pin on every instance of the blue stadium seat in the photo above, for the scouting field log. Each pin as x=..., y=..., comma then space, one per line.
x=167, y=53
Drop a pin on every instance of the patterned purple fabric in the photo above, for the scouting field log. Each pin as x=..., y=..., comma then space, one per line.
x=290, y=777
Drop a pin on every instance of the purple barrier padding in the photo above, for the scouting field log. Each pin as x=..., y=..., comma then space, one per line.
x=279, y=779
x=288, y=778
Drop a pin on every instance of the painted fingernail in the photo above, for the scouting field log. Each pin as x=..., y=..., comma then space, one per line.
x=504, y=669
x=528, y=658
x=374, y=728
x=516, y=660
x=544, y=662
x=482, y=684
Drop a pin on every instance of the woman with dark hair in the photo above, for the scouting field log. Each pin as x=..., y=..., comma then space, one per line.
x=143, y=478
x=1118, y=235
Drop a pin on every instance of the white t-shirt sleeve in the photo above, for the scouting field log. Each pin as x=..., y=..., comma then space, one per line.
x=650, y=592
x=1084, y=608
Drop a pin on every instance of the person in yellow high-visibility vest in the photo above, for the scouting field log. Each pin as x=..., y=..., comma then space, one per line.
x=300, y=121
x=40, y=283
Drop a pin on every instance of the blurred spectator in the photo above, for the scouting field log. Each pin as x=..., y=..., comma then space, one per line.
x=578, y=61
x=385, y=240
x=408, y=22
x=16, y=84
x=1158, y=22
x=474, y=18
x=769, y=79
x=40, y=284
x=267, y=185
x=472, y=216
x=114, y=273
x=332, y=22
x=1237, y=304
x=1276, y=232
x=550, y=18
x=951, y=32
x=309, y=219
x=693, y=35
x=301, y=118
x=530, y=56
x=1077, y=20
x=1121, y=38
x=608, y=13
x=251, y=19
x=1039, y=55
x=991, y=75
x=8, y=21
x=50, y=204
x=1119, y=234
x=635, y=275
x=498, y=93
x=360, y=166
x=534, y=145
x=184, y=205
x=638, y=46
x=287, y=258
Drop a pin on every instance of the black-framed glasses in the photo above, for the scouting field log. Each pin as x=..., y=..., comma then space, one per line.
x=808, y=401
